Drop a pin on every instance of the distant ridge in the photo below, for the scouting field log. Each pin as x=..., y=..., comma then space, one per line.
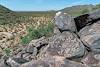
x=80, y=9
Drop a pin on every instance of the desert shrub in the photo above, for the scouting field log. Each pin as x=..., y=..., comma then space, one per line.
x=35, y=33
x=84, y=11
x=7, y=51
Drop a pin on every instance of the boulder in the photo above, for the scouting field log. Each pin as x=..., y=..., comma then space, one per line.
x=65, y=44
x=95, y=15
x=3, y=64
x=52, y=62
x=90, y=35
x=12, y=63
x=87, y=19
x=64, y=21
x=81, y=21
x=15, y=62
x=30, y=51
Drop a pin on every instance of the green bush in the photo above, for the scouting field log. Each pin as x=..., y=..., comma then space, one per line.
x=7, y=51
x=35, y=33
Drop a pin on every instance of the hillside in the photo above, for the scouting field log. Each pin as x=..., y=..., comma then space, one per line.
x=36, y=13
x=7, y=16
x=24, y=24
x=34, y=39
x=80, y=9
x=74, y=11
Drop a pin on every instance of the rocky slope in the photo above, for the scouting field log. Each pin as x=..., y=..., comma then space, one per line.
x=75, y=42
x=66, y=48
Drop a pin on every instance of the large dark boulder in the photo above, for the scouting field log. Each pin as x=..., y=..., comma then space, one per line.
x=87, y=19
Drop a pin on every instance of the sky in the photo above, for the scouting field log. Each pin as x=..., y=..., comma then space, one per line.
x=43, y=5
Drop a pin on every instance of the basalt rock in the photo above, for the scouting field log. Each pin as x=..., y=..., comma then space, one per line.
x=90, y=36
x=53, y=62
x=87, y=19
x=64, y=21
x=65, y=44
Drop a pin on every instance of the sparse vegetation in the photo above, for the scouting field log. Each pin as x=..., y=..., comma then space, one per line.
x=85, y=11
x=7, y=51
x=80, y=9
x=35, y=33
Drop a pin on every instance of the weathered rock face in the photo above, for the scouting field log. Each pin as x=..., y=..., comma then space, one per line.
x=31, y=50
x=87, y=19
x=12, y=63
x=90, y=36
x=95, y=15
x=65, y=44
x=52, y=62
x=81, y=21
x=64, y=22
